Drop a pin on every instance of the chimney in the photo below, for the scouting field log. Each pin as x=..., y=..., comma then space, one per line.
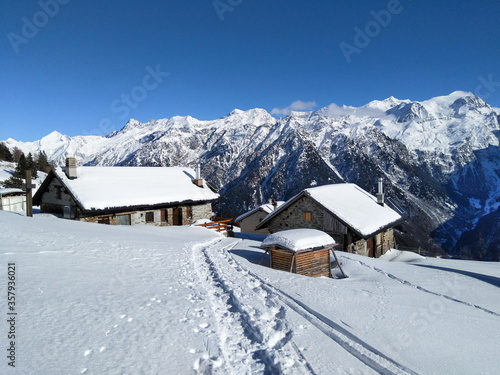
x=198, y=172
x=275, y=204
x=70, y=169
x=380, y=194
x=198, y=181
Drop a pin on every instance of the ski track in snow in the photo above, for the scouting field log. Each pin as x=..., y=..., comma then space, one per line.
x=250, y=337
x=422, y=289
x=252, y=328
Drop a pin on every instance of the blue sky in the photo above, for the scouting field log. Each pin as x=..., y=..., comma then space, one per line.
x=86, y=67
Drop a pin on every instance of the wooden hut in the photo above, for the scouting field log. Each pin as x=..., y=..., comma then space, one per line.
x=302, y=251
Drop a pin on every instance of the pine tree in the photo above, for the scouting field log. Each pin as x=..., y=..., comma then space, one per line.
x=42, y=162
x=31, y=166
x=5, y=153
x=20, y=171
x=14, y=182
x=16, y=154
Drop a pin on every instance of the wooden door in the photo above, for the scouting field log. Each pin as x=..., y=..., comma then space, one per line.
x=369, y=245
x=177, y=216
x=103, y=220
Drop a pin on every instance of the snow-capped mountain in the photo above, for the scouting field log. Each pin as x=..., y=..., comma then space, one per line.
x=440, y=158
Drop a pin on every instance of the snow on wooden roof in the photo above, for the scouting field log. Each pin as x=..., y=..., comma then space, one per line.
x=298, y=239
x=352, y=205
x=9, y=191
x=107, y=187
x=267, y=208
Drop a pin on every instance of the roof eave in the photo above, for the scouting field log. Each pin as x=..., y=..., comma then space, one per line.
x=140, y=207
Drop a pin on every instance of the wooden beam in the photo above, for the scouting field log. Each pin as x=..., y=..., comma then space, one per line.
x=29, y=195
x=338, y=263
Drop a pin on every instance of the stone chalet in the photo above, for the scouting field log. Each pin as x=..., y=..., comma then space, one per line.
x=249, y=220
x=359, y=222
x=126, y=195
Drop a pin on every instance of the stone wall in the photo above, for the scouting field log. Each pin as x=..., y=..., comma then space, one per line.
x=55, y=198
x=293, y=217
x=201, y=211
x=249, y=223
x=190, y=214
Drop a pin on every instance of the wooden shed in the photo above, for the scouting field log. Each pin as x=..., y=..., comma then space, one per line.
x=302, y=251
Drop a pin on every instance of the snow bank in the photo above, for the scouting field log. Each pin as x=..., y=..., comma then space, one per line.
x=298, y=239
x=394, y=255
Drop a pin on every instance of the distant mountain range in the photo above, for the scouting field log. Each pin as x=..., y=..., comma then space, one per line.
x=440, y=160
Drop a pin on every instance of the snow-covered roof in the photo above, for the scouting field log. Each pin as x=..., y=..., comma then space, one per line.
x=8, y=191
x=352, y=205
x=298, y=239
x=267, y=208
x=107, y=187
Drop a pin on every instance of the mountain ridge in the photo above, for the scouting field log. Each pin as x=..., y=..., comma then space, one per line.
x=429, y=154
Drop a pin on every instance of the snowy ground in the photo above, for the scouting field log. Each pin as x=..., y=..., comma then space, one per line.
x=98, y=299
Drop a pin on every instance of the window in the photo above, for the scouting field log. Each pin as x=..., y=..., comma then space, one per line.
x=58, y=192
x=150, y=217
x=307, y=216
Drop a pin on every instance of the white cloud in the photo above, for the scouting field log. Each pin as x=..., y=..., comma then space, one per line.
x=297, y=105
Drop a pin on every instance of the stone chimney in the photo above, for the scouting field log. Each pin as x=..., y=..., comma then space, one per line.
x=380, y=194
x=70, y=169
x=198, y=181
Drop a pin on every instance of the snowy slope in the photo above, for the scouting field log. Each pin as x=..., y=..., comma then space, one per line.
x=95, y=299
x=431, y=155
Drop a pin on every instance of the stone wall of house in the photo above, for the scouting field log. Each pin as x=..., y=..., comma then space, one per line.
x=189, y=215
x=55, y=198
x=296, y=216
x=359, y=247
x=382, y=242
x=388, y=241
x=201, y=211
x=249, y=223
